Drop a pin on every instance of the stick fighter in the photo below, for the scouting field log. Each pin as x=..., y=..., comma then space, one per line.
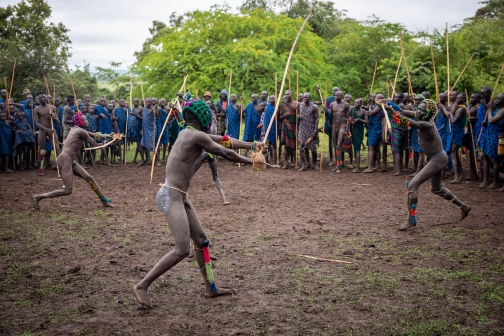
x=172, y=198
x=431, y=144
x=68, y=167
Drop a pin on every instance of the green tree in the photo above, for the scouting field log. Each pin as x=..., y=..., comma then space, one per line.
x=253, y=44
x=111, y=76
x=39, y=47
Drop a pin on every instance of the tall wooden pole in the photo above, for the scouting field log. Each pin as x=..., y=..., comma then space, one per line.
x=323, y=130
x=52, y=109
x=241, y=120
x=410, y=87
x=397, y=74
x=12, y=79
x=434, y=69
x=460, y=76
x=285, y=72
x=230, y=81
x=297, y=109
x=372, y=82
x=447, y=63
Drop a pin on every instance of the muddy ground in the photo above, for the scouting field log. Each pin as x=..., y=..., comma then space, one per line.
x=68, y=269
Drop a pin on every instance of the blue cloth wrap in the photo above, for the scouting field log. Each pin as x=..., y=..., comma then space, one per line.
x=268, y=115
x=104, y=125
x=375, y=129
x=233, y=120
x=252, y=120
x=148, y=130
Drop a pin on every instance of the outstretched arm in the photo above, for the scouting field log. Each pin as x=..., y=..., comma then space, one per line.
x=235, y=144
x=208, y=143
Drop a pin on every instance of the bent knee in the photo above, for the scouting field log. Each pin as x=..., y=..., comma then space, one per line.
x=182, y=252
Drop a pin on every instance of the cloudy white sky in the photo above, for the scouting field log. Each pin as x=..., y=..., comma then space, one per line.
x=112, y=30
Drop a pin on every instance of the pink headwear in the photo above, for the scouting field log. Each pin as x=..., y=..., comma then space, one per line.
x=77, y=120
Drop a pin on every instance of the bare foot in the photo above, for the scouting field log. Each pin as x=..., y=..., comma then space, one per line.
x=303, y=168
x=465, y=211
x=107, y=204
x=482, y=184
x=220, y=292
x=369, y=170
x=382, y=169
x=350, y=166
x=35, y=202
x=454, y=181
x=406, y=225
x=41, y=173
x=285, y=166
x=158, y=164
x=501, y=189
x=336, y=170
x=494, y=186
x=356, y=170
x=397, y=173
x=472, y=177
x=226, y=203
x=141, y=163
x=331, y=164
x=141, y=296
x=9, y=170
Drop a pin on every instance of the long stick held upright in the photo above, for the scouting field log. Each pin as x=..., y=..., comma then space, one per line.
x=460, y=76
x=51, y=107
x=434, y=70
x=410, y=87
x=162, y=131
x=12, y=79
x=230, y=81
x=372, y=82
x=323, y=128
x=285, y=74
x=397, y=74
x=447, y=63
x=127, y=115
x=297, y=108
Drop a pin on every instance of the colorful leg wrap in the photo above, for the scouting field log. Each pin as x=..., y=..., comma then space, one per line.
x=340, y=163
x=41, y=154
x=411, y=208
x=208, y=266
x=98, y=192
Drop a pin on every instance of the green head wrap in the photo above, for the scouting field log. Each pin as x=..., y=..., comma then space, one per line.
x=200, y=109
x=430, y=109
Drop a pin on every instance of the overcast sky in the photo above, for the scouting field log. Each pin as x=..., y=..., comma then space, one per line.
x=112, y=30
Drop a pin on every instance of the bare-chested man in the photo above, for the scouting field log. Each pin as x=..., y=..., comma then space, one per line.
x=44, y=116
x=308, y=132
x=173, y=202
x=68, y=167
x=340, y=111
x=431, y=145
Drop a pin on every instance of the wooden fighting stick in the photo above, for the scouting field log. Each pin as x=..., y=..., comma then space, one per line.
x=127, y=112
x=460, y=76
x=115, y=137
x=323, y=131
x=472, y=135
x=162, y=131
x=285, y=73
x=372, y=82
x=12, y=79
x=276, y=119
x=490, y=102
x=241, y=119
x=448, y=71
x=51, y=107
x=434, y=70
x=397, y=74
x=297, y=108
x=410, y=87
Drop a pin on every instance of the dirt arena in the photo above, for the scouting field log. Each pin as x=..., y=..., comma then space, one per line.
x=68, y=269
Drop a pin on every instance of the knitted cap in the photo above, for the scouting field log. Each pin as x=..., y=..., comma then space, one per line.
x=200, y=109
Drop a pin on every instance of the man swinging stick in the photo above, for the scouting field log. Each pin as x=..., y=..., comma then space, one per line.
x=431, y=144
x=173, y=202
x=68, y=167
